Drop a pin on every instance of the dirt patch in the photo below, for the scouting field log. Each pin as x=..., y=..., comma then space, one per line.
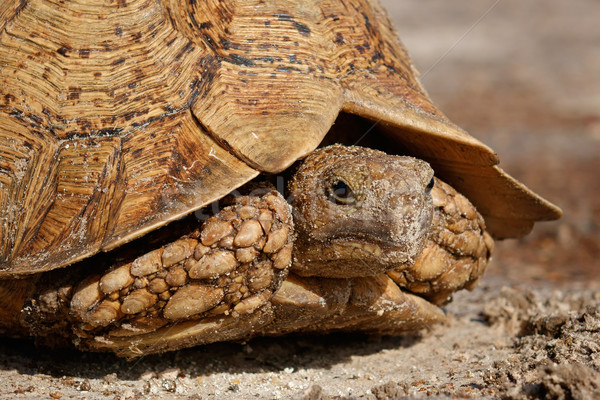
x=499, y=342
x=555, y=345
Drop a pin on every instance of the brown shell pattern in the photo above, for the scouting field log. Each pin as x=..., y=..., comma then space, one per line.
x=118, y=117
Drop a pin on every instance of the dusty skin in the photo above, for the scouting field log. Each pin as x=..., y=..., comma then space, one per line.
x=530, y=330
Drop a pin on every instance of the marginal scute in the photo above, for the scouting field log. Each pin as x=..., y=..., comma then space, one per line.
x=282, y=85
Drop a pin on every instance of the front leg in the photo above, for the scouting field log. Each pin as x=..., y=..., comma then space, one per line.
x=456, y=253
x=213, y=284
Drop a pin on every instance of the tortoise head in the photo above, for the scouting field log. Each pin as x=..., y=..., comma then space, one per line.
x=359, y=212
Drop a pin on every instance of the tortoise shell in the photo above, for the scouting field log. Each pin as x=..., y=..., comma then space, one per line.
x=117, y=117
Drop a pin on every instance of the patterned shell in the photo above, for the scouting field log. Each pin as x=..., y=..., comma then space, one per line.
x=118, y=116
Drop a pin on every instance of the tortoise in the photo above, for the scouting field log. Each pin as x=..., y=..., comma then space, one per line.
x=131, y=134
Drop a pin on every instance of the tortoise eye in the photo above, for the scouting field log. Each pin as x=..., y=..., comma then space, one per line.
x=341, y=193
x=430, y=185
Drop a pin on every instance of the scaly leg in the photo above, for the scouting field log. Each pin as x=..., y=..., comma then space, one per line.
x=210, y=285
x=456, y=253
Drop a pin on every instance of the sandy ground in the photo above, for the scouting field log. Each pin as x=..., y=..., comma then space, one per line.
x=523, y=77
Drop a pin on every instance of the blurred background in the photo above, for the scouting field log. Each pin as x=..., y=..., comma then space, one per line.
x=524, y=77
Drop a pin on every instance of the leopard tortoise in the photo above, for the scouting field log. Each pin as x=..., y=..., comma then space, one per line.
x=131, y=134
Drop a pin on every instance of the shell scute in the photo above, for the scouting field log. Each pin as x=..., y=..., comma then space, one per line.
x=116, y=118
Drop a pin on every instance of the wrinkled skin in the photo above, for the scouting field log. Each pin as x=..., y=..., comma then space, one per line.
x=371, y=242
x=359, y=214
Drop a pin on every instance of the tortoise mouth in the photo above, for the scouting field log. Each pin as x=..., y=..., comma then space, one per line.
x=351, y=257
x=381, y=254
x=369, y=247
